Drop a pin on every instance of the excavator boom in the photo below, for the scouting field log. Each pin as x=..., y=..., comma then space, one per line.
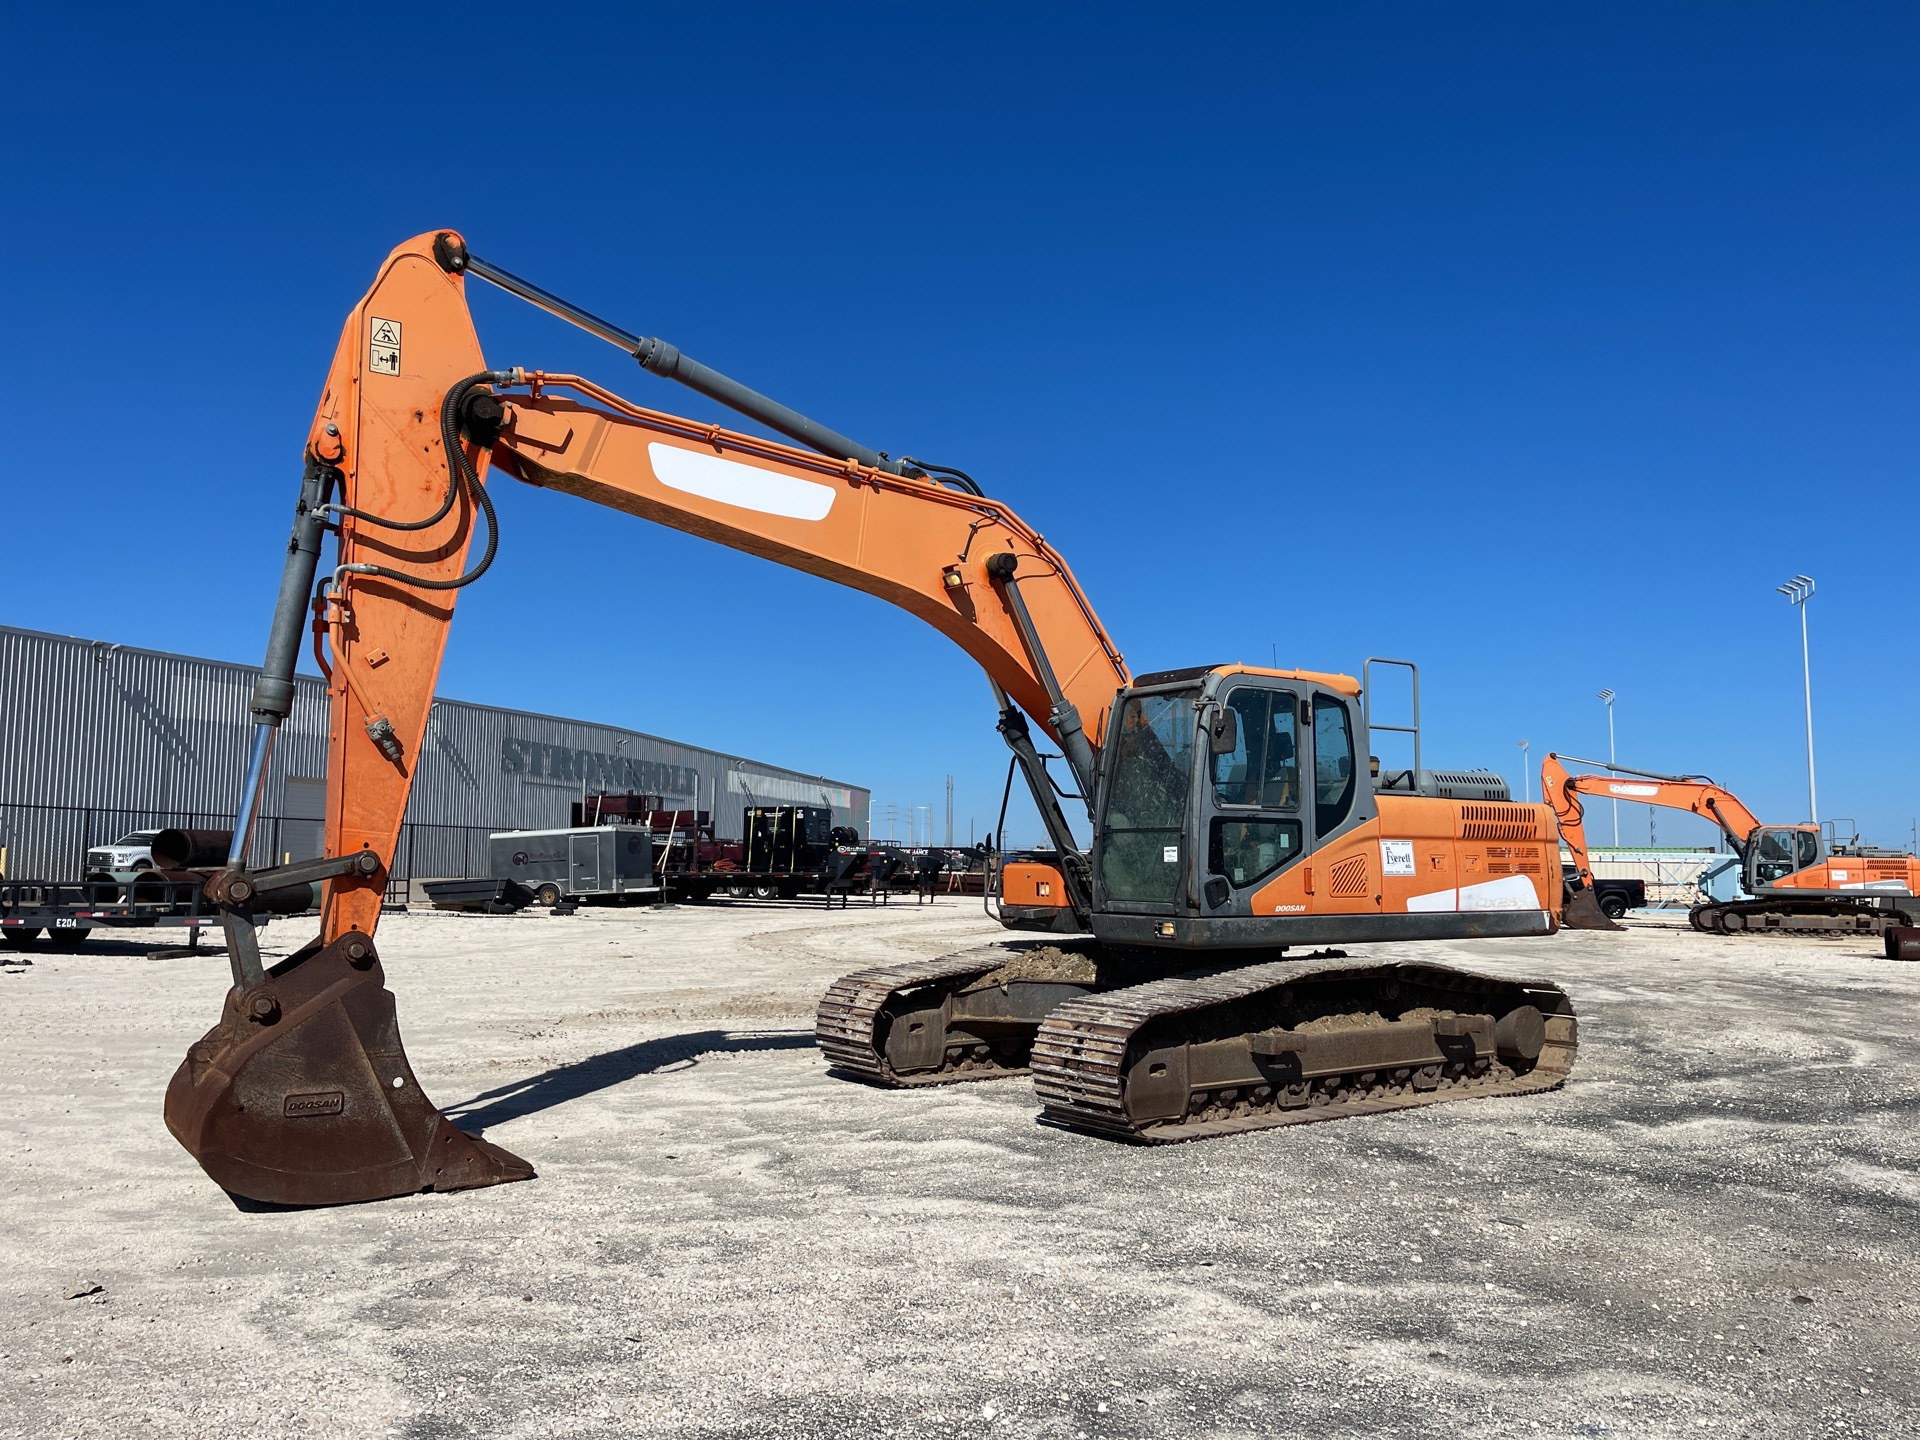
x=919, y=545
x=409, y=424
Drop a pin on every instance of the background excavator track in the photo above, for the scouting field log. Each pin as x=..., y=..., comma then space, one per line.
x=1815, y=917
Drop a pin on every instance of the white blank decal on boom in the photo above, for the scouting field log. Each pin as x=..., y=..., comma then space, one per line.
x=1509, y=892
x=732, y=483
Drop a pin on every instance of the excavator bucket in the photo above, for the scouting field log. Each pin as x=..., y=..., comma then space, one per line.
x=302, y=1094
x=1583, y=913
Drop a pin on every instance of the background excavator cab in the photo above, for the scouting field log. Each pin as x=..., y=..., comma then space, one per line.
x=1777, y=851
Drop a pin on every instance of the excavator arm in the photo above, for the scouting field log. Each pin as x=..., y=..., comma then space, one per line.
x=1563, y=789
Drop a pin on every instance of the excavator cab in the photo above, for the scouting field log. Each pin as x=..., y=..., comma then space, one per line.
x=1233, y=813
x=1777, y=851
x=1219, y=781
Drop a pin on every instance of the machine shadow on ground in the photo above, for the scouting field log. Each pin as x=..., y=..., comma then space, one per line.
x=521, y=1098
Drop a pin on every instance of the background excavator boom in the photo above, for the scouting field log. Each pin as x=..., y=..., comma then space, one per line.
x=1562, y=789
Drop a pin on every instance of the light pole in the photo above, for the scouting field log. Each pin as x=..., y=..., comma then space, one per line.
x=1797, y=590
x=1526, y=775
x=1607, y=695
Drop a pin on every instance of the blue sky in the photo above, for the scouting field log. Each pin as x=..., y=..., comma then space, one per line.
x=1534, y=343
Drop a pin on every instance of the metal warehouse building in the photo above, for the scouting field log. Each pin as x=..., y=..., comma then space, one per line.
x=97, y=739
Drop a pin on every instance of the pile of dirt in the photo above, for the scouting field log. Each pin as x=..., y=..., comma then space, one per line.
x=1044, y=962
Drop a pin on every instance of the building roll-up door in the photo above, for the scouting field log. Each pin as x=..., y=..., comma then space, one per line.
x=303, y=826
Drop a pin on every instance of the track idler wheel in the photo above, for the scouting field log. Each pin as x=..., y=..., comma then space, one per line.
x=302, y=1094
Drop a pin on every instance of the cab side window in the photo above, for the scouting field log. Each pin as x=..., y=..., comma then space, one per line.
x=1264, y=767
x=1332, y=764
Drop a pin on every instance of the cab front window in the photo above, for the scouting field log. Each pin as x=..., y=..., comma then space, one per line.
x=1146, y=808
x=1778, y=853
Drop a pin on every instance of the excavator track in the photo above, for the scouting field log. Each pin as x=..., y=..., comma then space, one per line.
x=1225, y=1051
x=971, y=1016
x=859, y=1015
x=1815, y=917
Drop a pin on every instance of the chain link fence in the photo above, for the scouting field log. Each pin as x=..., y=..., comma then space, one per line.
x=50, y=842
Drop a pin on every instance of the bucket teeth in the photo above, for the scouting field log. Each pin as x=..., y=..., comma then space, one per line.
x=302, y=1094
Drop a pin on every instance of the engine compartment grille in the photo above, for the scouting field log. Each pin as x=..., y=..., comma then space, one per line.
x=1499, y=822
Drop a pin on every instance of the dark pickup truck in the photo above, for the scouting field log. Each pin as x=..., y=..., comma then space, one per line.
x=1616, y=897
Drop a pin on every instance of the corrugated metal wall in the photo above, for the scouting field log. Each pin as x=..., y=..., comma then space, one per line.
x=97, y=739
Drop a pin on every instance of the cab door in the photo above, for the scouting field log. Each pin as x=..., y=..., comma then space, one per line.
x=1256, y=819
x=1314, y=811
x=1347, y=860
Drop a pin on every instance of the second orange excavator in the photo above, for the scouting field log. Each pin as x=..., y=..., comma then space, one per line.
x=1232, y=810
x=1796, y=881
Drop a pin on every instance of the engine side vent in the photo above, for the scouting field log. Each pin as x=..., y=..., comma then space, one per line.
x=1513, y=860
x=1348, y=878
x=1498, y=822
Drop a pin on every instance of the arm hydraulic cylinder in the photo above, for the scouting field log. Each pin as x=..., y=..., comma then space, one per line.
x=668, y=362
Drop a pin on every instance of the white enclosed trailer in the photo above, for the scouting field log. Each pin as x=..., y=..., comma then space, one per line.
x=603, y=861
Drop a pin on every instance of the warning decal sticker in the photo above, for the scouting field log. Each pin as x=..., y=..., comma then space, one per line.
x=383, y=346
x=1396, y=857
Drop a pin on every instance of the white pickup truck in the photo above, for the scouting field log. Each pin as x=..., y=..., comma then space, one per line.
x=133, y=851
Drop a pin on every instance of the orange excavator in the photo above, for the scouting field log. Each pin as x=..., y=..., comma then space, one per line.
x=1231, y=820
x=1797, y=883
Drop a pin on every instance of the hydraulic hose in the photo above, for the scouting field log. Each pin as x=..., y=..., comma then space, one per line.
x=460, y=474
x=963, y=480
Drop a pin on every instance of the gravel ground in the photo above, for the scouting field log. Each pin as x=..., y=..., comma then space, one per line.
x=1709, y=1230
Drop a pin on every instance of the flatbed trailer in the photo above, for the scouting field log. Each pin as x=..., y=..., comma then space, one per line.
x=846, y=868
x=66, y=912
